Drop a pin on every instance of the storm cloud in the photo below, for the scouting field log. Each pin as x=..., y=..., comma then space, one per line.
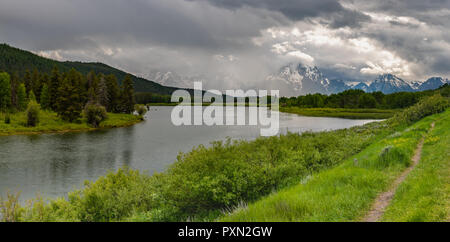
x=236, y=43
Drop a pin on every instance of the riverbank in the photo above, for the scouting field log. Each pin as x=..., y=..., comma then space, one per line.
x=353, y=185
x=207, y=182
x=49, y=122
x=342, y=112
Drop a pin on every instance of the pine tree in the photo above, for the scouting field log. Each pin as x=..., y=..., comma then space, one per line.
x=5, y=91
x=53, y=86
x=113, y=94
x=36, y=83
x=127, y=97
x=102, y=93
x=45, y=98
x=27, y=81
x=68, y=101
x=14, y=87
x=21, y=97
x=31, y=96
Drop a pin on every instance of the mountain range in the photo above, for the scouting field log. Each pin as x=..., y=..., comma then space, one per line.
x=299, y=79
x=291, y=80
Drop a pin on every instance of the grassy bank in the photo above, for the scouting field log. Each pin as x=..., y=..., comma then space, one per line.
x=425, y=194
x=346, y=192
x=342, y=112
x=49, y=122
x=203, y=183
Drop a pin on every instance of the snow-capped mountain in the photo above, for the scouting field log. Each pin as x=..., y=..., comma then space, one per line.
x=433, y=83
x=388, y=83
x=361, y=86
x=299, y=79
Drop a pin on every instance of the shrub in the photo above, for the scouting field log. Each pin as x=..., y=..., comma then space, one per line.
x=112, y=197
x=32, y=113
x=95, y=114
x=426, y=106
x=140, y=109
x=7, y=118
x=10, y=209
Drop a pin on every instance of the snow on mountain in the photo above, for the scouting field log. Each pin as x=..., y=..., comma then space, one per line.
x=433, y=83
x=362, y=86
x=388, y=83
x=299, y=79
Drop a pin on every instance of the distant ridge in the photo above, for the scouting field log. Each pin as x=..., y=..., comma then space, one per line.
x=300, y=79
x=16, y=60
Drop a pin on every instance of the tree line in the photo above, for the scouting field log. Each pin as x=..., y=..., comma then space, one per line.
x=359, y=99
x=66, y=93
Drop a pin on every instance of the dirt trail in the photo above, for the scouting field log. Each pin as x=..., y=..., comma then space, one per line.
x=384, y=199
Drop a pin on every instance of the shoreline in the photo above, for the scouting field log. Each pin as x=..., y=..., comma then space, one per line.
x=82, y=127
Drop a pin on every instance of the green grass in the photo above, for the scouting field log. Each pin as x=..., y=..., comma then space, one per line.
x=425, y=194
x=346, y=192
x=50, y=122
x=342, y=112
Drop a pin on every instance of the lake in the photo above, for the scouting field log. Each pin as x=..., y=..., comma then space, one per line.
x=53, y=164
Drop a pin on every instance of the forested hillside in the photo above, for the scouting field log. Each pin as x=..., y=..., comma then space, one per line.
x=13, y=60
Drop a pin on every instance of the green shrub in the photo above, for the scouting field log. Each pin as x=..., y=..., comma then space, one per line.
x=95, y=114
x=10, y=209
x=427, y=106
x=32, y=112
x=7, y=118
x=140, y=109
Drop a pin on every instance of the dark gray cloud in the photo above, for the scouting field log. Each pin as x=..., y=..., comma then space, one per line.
x=297, y=10
x=236, y=38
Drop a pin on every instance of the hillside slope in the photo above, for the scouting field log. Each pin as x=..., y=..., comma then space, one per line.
x=17, y=60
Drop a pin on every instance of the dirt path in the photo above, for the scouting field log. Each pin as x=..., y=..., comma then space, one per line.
x=383, y=200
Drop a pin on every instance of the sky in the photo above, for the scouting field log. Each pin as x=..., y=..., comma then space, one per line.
x=237, y=43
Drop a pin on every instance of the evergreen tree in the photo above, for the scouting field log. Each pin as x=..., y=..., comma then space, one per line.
x=113, y=94
x=45, y=98
x=68, y=101
x=102, y=93
x=21, y=97
x=14, y=87
x=36, y=83
x=27, y=81
x=53, y=86
x=127, y=97
x=5, y=91
x=92, y=96
x=31, y=96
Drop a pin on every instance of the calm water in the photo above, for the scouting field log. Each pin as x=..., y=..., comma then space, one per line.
x=53, y=164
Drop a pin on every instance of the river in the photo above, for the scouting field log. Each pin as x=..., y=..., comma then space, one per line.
x=53, y=164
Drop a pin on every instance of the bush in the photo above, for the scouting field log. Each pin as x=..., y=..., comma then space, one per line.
x=426, y=106
x=7, y=119
x=140, y=109
x=33, y=113
x=95, y=114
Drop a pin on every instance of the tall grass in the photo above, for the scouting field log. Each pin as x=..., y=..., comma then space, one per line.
x=344, y=193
